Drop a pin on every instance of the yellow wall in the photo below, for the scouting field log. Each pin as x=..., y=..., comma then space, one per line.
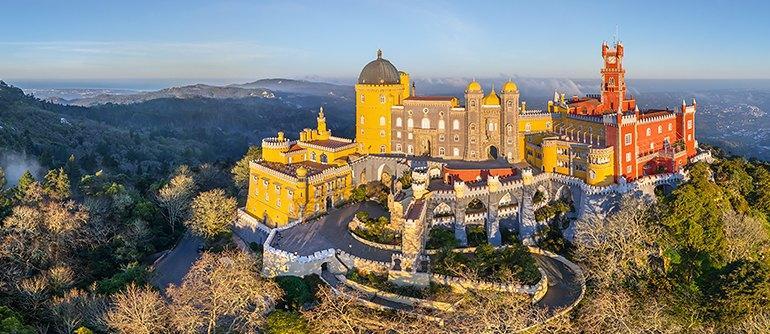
x=370, y=134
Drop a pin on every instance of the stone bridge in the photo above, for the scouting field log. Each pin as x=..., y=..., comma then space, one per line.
x=511, y=203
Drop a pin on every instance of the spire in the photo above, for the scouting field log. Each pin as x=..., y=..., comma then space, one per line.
x=321, y=113
x=379, y=53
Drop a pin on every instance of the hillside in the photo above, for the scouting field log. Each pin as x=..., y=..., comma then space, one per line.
x=184, y=92
x=301, y=87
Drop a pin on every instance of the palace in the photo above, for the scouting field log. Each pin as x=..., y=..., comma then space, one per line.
x=600, y=139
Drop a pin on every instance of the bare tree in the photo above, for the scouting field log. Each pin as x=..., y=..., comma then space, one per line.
x=222, y=293
x=212, y=213
x=138, y=310
x=174, y=197
x=747, y=237
x=78, y=308
x=619, y=245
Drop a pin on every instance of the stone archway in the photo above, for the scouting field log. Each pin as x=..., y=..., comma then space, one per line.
x=493, y=152
x=329, y=203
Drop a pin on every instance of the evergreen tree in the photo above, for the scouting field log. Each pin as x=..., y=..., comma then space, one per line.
x=25, y=181
x=56, y=184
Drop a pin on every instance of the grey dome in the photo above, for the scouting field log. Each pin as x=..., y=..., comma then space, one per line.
x=379, y=72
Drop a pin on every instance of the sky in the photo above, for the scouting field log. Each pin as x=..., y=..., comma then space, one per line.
x=238, y=41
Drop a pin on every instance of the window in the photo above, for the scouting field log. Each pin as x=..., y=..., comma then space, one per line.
x=278, y=203
x=410, y=149
x=689, y=124
x=649, y=132
x=409, y=135
x=491, y=126
x=456, y=124
x=652, y=146
x=628, y=139
x=628, y=169
x=398, y=134
x=456, y=152
x=441, y=151
x=527, y=127
x=473, y=140
x=362, y=97
x=457, y=138
x=324, y=159
x=382, y=133
x=425, y=124
x=312, y=156
x=689, y=137
x=398, y=122
x=424, y=110
x=441, y=124
x=382, y=120
x=398, y=147
x=290, y=193
x=409, y=123
x=670, y=127
x=277, y=188
x=382, y=148
x=440, y=137
x=473, y=154
x=628, y=156
x=509, y=128
x=362, y=119
x=473, y=126
x=382, y=98
x=264, y=182
x=473, y=103
x=660, y=129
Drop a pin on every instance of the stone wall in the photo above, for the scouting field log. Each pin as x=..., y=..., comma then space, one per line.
x=396, y=298
x=352, y=261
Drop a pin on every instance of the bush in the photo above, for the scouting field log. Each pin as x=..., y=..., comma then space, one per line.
x=476, y=235
x=133, y=273
x=553, y=210
x=441, y=237
x=285, y=322
x=491, y=264
x=376, y=230
x=297, y=292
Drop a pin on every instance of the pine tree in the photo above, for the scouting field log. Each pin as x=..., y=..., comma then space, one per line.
x=25, y=181
x=56, y=184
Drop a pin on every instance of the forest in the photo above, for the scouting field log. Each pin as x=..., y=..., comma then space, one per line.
x=120, y=187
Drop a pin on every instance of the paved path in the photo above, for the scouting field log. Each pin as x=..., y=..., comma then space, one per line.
x=331, y=231
x=172, y=268
x=563, y=284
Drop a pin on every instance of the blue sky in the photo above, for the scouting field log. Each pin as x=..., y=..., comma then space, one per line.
x=234, y=41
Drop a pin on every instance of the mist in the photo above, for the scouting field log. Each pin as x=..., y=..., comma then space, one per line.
x=15, y=164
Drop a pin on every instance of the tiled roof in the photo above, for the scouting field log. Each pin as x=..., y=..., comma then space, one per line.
x=430, y=98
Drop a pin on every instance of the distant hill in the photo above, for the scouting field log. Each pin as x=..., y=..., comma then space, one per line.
x=301, y=87
x=185, y=92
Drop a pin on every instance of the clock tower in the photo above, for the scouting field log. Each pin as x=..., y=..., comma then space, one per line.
x=613, y=76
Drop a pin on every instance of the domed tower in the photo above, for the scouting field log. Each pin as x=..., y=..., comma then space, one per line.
x=380, y=86
x=510, y=107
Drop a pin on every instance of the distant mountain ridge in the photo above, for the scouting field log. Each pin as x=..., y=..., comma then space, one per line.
x=301, y=87
x=184, y=92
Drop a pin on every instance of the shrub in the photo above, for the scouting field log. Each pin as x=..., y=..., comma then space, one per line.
x=286, y=322
x=441, y=237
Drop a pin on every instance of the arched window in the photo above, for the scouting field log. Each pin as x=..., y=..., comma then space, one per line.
x=382, y=120
x=398, y=134
x=362, y=119
x=312, y=156
x=473, y=126
x=491, y=126
x=382, y=98
x=410, y=149
x=527, y=127
x=324, y=159
x=456, y=152
x=398, y=122
x=649, y=132
x=456, y=124
x=409, y=123
x=441, y=151
x=382, y=148
x=398, y=147
x=425, y=124
x=362, y=97
x=660, y=129
x=508, y=129
x=457, y=138
x=441, y=124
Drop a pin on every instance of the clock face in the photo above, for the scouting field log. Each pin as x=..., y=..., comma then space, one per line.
x=612, y=59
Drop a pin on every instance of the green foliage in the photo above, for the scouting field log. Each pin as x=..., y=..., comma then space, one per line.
x=11, y=323
x=83, y=330
x=476, y=235
x=489, y=263
x=133, y=273
x=441, y=237
x=551, y=238
x=380, y=282
x=297, y=292
x=56, y=184
x=286, y=322
x=377, y=230
x=240, y=171
x=743, y=288
x=406, y=180
x=25, y=181
x=552, y=210
x=372, y=190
